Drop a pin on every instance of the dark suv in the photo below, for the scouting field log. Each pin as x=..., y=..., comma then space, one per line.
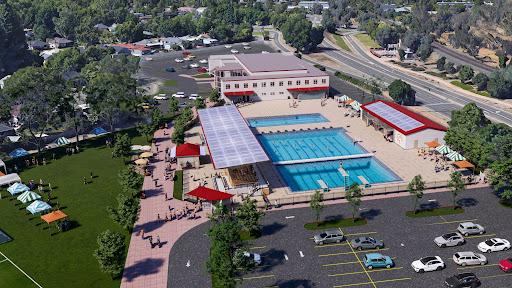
x=462, y=280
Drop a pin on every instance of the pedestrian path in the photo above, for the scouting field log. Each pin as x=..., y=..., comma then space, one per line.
x=146, y=266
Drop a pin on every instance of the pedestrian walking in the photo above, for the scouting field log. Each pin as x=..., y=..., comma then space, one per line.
x=166, y=217
x=142, y=233
x=156, y=184
x=158, y=241
x=44, y=161
x=91, y=174
x=158, y=217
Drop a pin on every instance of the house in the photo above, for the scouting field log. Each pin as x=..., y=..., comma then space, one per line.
x=135, y=50
x=37, y=45
x=186, y=10
x=6, y=131
x=58, y=42
x=101, y=27
x=170, y=42
x=466, y=4
x=150, y=43
x=310, y=4
x=405, y=9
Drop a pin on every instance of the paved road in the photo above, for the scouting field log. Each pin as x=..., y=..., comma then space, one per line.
x=459, y=58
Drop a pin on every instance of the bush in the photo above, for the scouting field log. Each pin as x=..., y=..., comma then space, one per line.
x=177, y=192
x=480, y=80
x=320, y=67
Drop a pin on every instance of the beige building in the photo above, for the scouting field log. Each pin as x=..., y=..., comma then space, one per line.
x=187, y=155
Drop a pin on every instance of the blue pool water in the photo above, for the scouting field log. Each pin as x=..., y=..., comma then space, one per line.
x=287, y=120
x=302, y=177
x=309, y=144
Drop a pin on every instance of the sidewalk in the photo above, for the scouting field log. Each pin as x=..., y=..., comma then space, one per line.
x=145, y=266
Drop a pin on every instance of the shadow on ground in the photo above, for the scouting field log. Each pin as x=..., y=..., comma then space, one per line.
x=141, y=268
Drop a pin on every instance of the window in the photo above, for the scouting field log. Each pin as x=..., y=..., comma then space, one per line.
x=281, y=83
x=263, y=84
x=297, y=83
x=228, y=86
x=222, y=74
x=272, y=84
x=281, y=93
x=246, y=85
x=237, y=86
x=272, y=93
x=306, y=82
x=324, y=81
x=289, y=83
x=254, y=85
x=315, y=81
x=263, y=94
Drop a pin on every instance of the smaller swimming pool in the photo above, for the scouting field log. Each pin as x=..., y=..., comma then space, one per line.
x=286, y=120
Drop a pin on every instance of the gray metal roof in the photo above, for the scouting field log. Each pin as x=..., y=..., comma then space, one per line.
x=270, y=62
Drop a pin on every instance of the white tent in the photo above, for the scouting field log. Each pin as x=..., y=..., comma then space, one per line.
x=9, y=179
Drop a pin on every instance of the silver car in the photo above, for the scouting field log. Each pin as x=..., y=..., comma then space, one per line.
x=470, y=228
x=469, y=258
x=331, y=236
x=449, y=239
x=361, y=243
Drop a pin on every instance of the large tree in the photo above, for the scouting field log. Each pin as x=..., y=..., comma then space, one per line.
x=110, y=252
x=416, y=188
x=353, y=196
x=248, y=215
x=402, y=92
x=316, y=204
x=296, y=31
x=500, y=83
x=466, y=73
x=456, y=185
x=127, y=211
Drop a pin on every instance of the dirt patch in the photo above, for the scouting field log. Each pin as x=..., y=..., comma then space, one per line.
x=327, y=61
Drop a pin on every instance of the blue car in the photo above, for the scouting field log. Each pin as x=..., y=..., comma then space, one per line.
x=377, y=260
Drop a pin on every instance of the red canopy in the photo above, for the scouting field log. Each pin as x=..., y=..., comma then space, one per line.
x=188, y=150
x=209, y=194
x=309, y=89
x=239, y=93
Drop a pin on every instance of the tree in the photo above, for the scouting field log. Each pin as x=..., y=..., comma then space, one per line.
x=248, y=215
x=425, y=48
x=466, y=73
x=456, y=185
x=500, y=83
x=127, y=211
x=416, y=188
x=449, y=67
x=441, y=62
x=199, y=103
x=145, y=130
x=328, y=22
x=316, y=204
x=386, y=35
x=503, y=59
x=411, y=40
x=242, y=262
x=174, y=106
x=110, y=253
x=480, y=80
x=402, y=92
x=129, y=31
x=401, y=54
x=214, y=95
x=297, y=31
x=122, y=145
x=130, y=180
x=178, y=134
x=353, y=196
x=316, y=37
x=157, y=118
x=317, y=9
x=70, y=59
x=501, y=176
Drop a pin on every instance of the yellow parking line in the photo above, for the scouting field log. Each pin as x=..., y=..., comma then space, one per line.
x=444, y=219
x=366, y=271
x=368, y=283
x=340, y=263
x=259, y=277
x=361, y=263
x=257, y=247
x=451, y=222
x=494, y=276
x=480, y=236
x=331, y=245
x=362, y=233
x=347, y=253
x=480, y=266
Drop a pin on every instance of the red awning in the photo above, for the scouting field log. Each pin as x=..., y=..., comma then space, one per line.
x=239, y=93
x=309, y=89
x=188, y=150
x=209, y=194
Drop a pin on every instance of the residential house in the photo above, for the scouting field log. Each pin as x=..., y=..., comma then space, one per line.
x=58, y=42
x=170, y=42
x=37, y=45
x=186, y=10
x=135, y=50
x=101, y=27
x=6, y=131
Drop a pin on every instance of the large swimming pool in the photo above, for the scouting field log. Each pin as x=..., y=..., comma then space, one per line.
x=309, y=144
x=303, y=177
x=286, y=120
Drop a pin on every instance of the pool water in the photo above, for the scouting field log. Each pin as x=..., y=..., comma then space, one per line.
x=287, y=120
x=309, y=144
x=303, y=177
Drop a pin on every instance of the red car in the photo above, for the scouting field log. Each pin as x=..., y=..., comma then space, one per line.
x=202, y=70
x=506, y=265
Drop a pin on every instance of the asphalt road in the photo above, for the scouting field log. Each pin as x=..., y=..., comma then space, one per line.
x=459, y=58
x=291, y=259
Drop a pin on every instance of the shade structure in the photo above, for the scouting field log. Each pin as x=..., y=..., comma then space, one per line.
x=463, y=164
x=344, y=98
x=141, y=162
x=432, y=144
x=146, y=155
x=28, y=196
x=54, y=216
x=455, y=156
x=349, y=101
x=140, y=148
x=17, y=188
x=356, y=105
x=19, y=152
x=38, y=206
x=98, y=131
x=9, y=179
x=209, y=194
x=443, y=149
x=62, y=141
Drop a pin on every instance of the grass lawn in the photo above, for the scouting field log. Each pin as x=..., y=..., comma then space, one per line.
x=202, y=75
x=338, y=223
x=341, y=42
x=170, y=83
x=367, y=40
x=65, y=259
x=10, y=276
x=177, y=192
x=469, y=88
x=435, y=212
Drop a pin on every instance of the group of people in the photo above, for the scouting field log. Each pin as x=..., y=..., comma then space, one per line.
x=185, y=212
x=441, y=164
x=150, y=239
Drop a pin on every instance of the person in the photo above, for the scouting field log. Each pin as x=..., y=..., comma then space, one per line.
x=166, y=217
x=85, y=181
x=158, y=241
x=142, y=233
x=44, y=161
x=156, y=184
x=158, y=216
x=90, y=174
x=151, y=242
x=15, y=168
x=341, y=164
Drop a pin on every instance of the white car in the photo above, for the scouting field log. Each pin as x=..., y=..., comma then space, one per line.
x=245, y=44
x=160, y=97
x=193, y=96
x=469, y=258
x=254, y=257
x=470, y=228
x=427, y=264
x=228, y=46
x=203, y=61
x=247, y=47
x=179, y=95
x=493, y=245
x=194, y=65
x=234, y=51
x=264, y=52
x=178, y=60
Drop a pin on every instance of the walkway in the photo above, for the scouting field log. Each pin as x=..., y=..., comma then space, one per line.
x=145, y=266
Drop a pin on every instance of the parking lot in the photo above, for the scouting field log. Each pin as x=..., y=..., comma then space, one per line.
x=291, y=258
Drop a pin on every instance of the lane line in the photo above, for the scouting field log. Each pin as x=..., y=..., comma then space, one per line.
x=451, y=222
x=347, y=253
x=444, y=219
x=366, y=271
x=368, y=283
x=495, y=276
x=3, y=261
x=481, y=236
x=362, y=233
x=7, y=258
x=259, y=277
x=479, y=266
x=331, y=245
x=340, y=263
x=360, y=263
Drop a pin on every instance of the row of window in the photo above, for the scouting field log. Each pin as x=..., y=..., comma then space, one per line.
x=272, y=93
x=273, y=84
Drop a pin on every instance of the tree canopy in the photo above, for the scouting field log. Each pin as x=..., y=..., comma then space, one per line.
x=402, y=92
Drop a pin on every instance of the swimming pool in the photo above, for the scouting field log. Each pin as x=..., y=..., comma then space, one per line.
x=309, y=144
x=286, y=120
x=303, y=177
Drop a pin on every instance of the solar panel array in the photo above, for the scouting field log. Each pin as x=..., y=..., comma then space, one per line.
x=229, y=139
x=390, y=114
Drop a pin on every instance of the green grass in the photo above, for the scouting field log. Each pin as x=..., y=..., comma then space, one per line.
x=65, y=259
x=507, y=204
x=355, y=81
x=469, y=88
x=177, y=192
x=367, y=40
x=339, y=223
x=170, y=83
x=12, y=277
x=202, y=75
x=435, y=212
x=341, y=42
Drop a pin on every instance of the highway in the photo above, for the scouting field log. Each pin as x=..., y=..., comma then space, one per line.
x=459, y=58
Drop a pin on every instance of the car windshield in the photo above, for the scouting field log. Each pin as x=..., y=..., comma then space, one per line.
x=489, y=242
x=427, y=259
x=323, y=235
x=370, y=239
x=447, y=236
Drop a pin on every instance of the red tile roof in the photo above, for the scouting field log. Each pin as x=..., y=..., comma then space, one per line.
x=188, y=150
x=209, y=194
x=239, y=93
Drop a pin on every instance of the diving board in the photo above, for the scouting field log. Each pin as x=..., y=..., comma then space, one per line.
x=363, y=180
x=343, y=172
x=332, y=158
x=322, y=184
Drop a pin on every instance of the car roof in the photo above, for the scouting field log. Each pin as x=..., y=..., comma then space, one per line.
x=467, y=224
x=451, y=234
x=374, y=255
x=466, y=253
x=463, y=275
x=429, y=258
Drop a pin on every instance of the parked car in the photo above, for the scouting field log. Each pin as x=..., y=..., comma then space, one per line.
x=493, y=245
x=470, y=228
x=194, y=65
x=506, y=265
x=469, y=258
x=170, y=69
x=227, y=46
x=247, y=47
x=361, y=243
x=427, y=264
x=254, y=257
x=330, y=236
x=160, y=97
x=179, y=95
x=185, y=66
x=462, y=280
x=193, y=96
x=377, y=260
x=264, y=52
x=203, y=61
x=245, y=44
x=178, y=60
x=234, y=51
x=449, y=239
x=202, y=70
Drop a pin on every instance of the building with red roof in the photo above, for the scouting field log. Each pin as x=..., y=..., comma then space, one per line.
x=135, y=50
x=188, y=155
x=209, y=194
x=406, y=128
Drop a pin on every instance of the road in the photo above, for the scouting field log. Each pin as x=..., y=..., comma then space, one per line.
x=429, y=94
x=459, y=58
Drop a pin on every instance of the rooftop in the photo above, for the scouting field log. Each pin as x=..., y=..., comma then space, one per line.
x=188, y=150
x=270, y=62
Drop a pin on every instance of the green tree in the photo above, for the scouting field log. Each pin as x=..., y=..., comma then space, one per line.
x=466, y=73
x=122, y=145
x=500, y=83
x=501, y=176
x=145, y=130
x=449, y=67
x=242, y=262
x=127, y=211
x=248, y=215
x=480, y=80
x=110, y=253
x=174, y=106
x=130, y=180
x=129, y=31
x=199, y=103
x=441, y=62
x=402, y=92
x=425, y=48
x=214, y=95
x=316, y=204
x=70, y=59
x=386, y=35
x=296, y=31
x=416, y=188
x=157, y=119
x=178, y=134
x=503, y=59
x=456, y=185
x=401, y=54
x=354, y=196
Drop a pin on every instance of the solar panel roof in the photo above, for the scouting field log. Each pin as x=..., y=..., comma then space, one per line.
x=229, y=139
x=392, y=115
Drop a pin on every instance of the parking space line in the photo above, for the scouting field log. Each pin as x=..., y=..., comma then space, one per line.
x=444, y=219
x=257, y=247
x=366, y=271
x=480, y=266
x=340, y=263
x=347, y=253
x=259, y=277
x=331, y=245
x=362, y=233
x=495, y=276
x=3, y=261
x=451, y=222
x=480, y=236
x=368, y=283
x=360, y=263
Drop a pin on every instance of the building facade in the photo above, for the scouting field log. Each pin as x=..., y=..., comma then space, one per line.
x=273, y=76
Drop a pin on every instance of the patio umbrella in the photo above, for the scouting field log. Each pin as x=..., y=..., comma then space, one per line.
x=141, y=161
x=19, y=152
x=455, y=156
x=62, y=141
x=17, y=188
x=38, y=206
x=443, y=149
x=28, y=196
x=98, y=131
x=146, y=155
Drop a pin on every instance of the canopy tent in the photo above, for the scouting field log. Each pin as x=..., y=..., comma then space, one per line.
x=187, y=150
x=443, y=149
x=432, y=144
x=54, y=216
x=38, y=206
x=463, y=164
x=2, y=165
x=209, y=194
x=14, y=139
x=62, y=141
x=343, y=98
x=17, y=188
x=140, y=148
x=356, y=105
x=9, y=179
x=28, y=196
x=146, y=155
x=19, y=152
x=142, y=162
x=455, y=156
x=98, y=131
